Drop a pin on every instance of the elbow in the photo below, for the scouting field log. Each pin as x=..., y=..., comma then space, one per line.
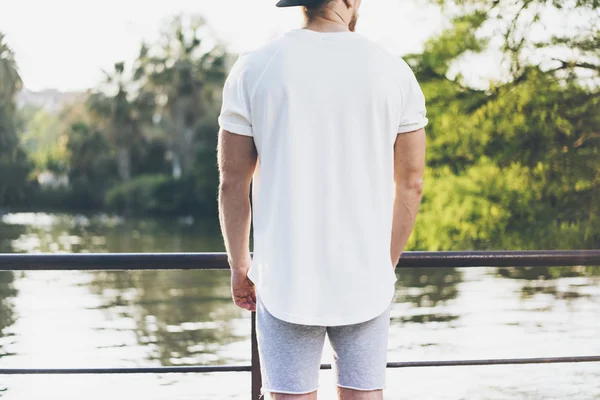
x=233, y=186
x=412, y=184
x=227, y=186
x=417, y=186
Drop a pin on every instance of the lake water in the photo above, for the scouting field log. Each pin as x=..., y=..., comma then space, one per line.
x=125, y=319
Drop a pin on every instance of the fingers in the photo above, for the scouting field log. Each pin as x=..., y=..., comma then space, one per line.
x=244, y=293
x=246, y=305
x=247, y=302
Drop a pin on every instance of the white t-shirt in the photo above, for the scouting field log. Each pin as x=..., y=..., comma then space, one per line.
x=324, y=110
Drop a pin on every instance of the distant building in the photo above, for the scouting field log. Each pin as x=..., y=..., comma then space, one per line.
x=51, y=100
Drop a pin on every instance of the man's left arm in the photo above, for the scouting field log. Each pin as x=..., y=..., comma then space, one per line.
x=238, y=158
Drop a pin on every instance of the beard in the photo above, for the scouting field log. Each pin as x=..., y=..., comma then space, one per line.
x=353, y=21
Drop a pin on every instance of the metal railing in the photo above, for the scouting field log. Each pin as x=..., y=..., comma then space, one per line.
x=217, y=261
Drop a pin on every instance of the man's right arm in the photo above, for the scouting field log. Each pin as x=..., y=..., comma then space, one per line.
x=409, y=166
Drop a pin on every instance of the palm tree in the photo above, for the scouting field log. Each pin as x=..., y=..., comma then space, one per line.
x=10, y=80
x=121, y=115
x=185, y=76
x=13, y=162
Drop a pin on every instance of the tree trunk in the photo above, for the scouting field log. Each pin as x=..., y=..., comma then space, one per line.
x=124, y=163
x=184, y=147
x=124, y=166
x=188, y=151
x=176, y=166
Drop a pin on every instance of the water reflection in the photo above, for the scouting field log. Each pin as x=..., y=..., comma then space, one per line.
x=7, y=315
x=7, y=290
x=40, y=232
x=181, y=317
x=427, y=289
x=547, y=280
x=177, y=317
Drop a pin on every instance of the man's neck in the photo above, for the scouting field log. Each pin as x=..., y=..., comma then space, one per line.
x=330, y=22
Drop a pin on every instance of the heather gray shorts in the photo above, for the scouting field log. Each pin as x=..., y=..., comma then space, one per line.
x=290, y=354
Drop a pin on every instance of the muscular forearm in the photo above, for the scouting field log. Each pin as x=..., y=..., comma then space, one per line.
x=406, y=206
x=235, y=217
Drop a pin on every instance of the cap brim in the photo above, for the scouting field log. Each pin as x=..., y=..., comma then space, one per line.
x=294, y=3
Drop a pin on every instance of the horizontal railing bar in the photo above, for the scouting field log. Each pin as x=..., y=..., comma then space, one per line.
x=126, y=370
x=506, y=361
x=214, y=261
x=247, y=368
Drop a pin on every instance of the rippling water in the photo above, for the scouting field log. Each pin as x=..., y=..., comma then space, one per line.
x=152, y=318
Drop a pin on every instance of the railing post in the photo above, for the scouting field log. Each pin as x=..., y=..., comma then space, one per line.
x=256, y=377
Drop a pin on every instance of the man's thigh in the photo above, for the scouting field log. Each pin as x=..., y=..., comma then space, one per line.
x=290, y=354
x=360, y=353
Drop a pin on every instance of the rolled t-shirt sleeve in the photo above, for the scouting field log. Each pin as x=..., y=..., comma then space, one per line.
x=235, y=114
x=413, y=110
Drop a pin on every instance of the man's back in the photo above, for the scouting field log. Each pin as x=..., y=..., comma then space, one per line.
x=324, y=110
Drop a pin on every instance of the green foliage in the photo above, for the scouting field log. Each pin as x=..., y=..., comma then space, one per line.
x=152, y=194
x=120, y=116
x=10, y=80
x=515, y=166
x=149, y=157
x=185, y=75
x=459, y=39
x=92, y=167
x=161, y=194
x=574, y=48
x=472, y=209
x=42, y=140
x=15, y=185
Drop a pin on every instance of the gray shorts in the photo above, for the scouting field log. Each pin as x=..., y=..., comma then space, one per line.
x=290, y=354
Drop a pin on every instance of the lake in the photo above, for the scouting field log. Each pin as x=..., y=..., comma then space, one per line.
x=153, y=318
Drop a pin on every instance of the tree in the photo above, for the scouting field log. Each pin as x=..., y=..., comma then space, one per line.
x=90, y=158
x=10, y=80
x=185, y=71
x=513, y=165
x=42, y=139
x=527, y=34
x=121, y=115
x=14, y=166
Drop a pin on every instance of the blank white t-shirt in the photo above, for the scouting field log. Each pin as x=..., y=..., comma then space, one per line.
x=324, y=110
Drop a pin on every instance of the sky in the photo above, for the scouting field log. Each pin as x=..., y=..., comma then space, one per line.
x=65, y=44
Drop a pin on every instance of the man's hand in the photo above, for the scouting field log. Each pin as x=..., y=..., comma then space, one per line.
x=242, y=290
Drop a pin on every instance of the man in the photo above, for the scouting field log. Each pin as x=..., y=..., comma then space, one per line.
x=328, y=128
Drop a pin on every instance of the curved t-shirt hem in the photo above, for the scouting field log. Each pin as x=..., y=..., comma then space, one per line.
x=329, y=321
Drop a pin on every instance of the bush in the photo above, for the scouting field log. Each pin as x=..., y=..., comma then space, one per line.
x=155, y=194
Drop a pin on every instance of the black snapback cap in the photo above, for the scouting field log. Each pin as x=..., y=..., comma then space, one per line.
x=293, y=3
